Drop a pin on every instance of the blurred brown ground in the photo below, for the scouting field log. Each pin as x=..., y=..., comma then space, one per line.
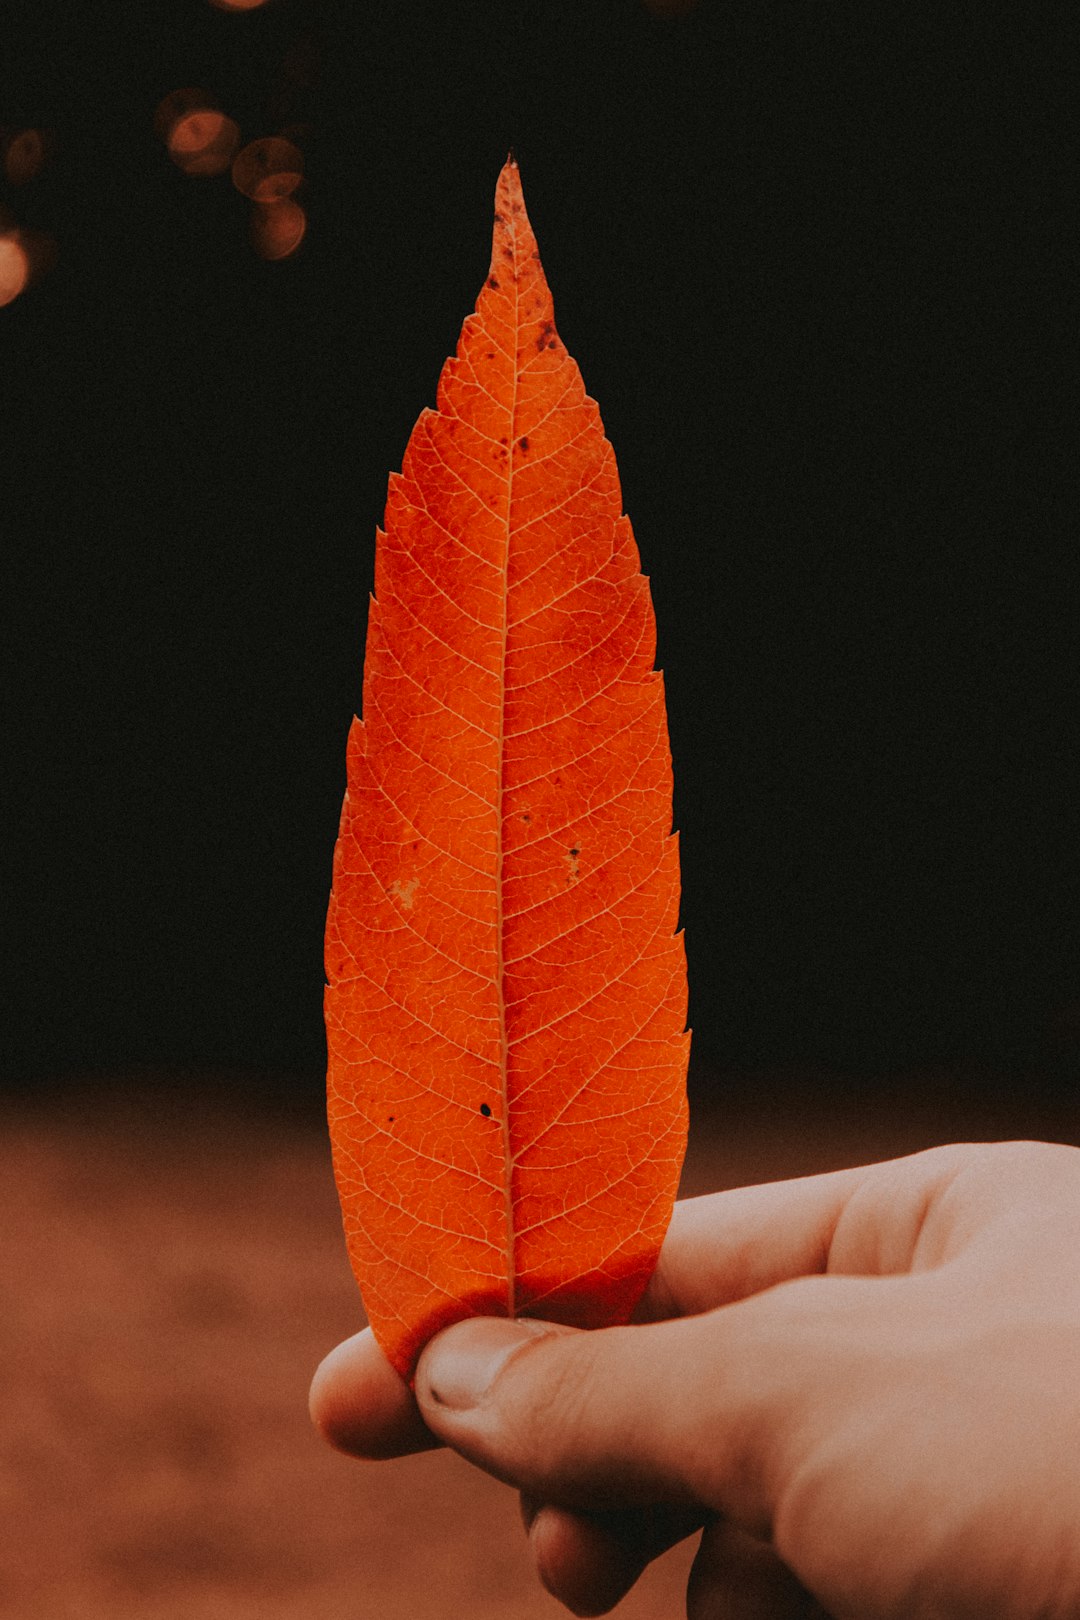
x=174, y=1270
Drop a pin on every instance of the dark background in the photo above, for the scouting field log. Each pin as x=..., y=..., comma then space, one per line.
x=816, y=261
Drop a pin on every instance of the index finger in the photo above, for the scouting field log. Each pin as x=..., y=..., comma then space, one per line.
x=866, y=1221
x=725, y=1246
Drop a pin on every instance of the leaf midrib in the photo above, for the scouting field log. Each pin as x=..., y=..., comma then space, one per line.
x=504, y=1045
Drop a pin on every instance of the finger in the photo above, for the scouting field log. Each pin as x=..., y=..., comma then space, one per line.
x=361, y=1406
x=589, y=1561
x=726, y=1246
x=736, y=1576
x=709, y=1410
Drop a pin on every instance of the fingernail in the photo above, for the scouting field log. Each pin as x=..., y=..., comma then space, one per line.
x=459, y=1366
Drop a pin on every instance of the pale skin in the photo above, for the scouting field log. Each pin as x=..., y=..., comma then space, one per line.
x=863, y=1386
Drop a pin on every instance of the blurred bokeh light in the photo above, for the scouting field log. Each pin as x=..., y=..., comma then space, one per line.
x=203, y=142
x=277, y=228
x=199, y=138
x=269, y=169
x=25, y=255
x=14, y=267
x=24, y=154
x=176, y=104
x=238, y=5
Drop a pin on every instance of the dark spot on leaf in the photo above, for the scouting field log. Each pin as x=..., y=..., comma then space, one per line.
x=524, y=443
x=574, y=853
x=391, y=1118
x=485, y=1110
x=525, y=816
x=499, y=219
x=551, y=345
x=546, y=332
x=493, y=281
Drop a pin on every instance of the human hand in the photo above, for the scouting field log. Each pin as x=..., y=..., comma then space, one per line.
x=864, y=1386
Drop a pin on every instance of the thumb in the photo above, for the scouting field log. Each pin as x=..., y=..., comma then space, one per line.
x=698, y=1411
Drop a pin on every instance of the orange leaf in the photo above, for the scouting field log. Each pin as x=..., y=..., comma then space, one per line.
x=507, y=993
